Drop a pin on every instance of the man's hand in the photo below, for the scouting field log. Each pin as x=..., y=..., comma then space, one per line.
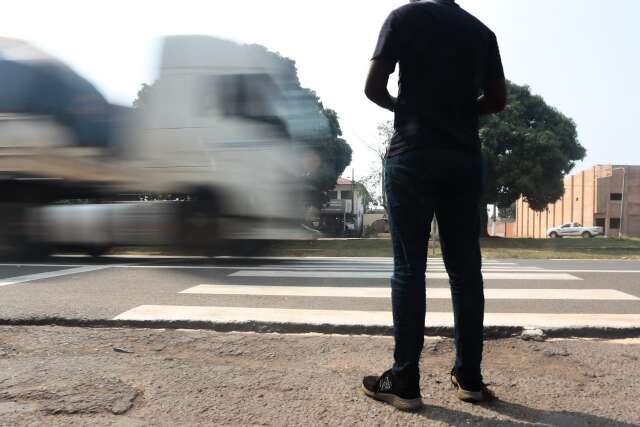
x=377, y=81
x=494, y=99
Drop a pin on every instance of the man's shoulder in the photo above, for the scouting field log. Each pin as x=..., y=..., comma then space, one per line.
x=412, y=7
x=459, y=13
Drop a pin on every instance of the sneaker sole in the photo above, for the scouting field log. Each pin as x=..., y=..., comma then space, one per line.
x=466, y=395
x=395, y=401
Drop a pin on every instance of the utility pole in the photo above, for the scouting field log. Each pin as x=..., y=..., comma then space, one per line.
x=353, y=199
x=353, y=191
x=624, y=179
x=493, y=224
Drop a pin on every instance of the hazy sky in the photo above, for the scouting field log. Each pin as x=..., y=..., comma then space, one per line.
x=581, y=55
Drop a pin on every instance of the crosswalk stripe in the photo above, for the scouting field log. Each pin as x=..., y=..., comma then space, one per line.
x=432, y=293
x=364, y=268
x=390, y=264
x=387, y=275
x=366, y=318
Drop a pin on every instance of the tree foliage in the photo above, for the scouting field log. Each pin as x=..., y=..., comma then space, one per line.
x=507, y=213
x=143, y=96
x=374, y=180
x=528, y=148
x=334, y=155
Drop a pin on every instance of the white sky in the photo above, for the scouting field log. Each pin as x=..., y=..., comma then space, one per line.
x=581, y=55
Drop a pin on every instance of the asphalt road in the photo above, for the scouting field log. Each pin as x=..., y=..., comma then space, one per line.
x=346, y=292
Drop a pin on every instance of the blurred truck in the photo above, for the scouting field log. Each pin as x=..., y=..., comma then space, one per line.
x=208, y=160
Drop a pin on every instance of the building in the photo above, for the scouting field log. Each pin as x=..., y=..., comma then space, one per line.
x=501, y=228
x=606, y=196
x=343, y=214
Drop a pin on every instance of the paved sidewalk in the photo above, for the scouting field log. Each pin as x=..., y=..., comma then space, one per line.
x=58, y=376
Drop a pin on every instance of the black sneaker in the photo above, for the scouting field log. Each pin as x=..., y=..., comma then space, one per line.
x=402, y=393
x=472, y=392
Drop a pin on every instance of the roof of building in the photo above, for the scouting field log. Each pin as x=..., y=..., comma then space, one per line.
x=343, y=181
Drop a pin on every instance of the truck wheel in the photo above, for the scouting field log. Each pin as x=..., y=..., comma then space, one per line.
x=587, y=235
x=97, y=250
x=246, y=248
x=554, y=235
x=14, y=244
x=199, y=221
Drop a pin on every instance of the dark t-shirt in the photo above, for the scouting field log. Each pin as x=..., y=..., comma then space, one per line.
x=446, y=59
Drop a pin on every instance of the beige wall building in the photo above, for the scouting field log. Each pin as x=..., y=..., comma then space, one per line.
x=607, y=196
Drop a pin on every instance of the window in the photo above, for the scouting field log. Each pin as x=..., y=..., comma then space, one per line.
x=333, y=195
x=615, y=196
x=251, y=96
x=600, y=222
x=614, y=223
x=346, y=195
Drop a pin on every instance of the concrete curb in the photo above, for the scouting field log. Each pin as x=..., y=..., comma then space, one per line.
x=492, y=332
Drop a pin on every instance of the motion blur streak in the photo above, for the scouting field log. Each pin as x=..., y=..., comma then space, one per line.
x=209, y=158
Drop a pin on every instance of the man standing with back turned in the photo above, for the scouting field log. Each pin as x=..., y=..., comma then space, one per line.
x=450, y=74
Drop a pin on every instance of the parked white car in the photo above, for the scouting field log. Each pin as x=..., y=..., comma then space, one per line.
x=574, y=229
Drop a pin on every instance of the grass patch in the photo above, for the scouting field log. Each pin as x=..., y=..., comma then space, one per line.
x=495, y=248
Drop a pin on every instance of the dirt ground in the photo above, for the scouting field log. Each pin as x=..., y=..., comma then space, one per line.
x=58, y=376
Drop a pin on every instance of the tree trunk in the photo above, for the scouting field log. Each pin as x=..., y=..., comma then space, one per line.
x=384, y=187
x=484, y=220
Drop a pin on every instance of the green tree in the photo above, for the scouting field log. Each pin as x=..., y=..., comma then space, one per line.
x=528, y=149
x=374, y=180
x=334, y=155
x=143, y=96
x=508, y=213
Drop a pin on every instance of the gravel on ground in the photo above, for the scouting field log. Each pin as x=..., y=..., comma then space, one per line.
x=58, y=376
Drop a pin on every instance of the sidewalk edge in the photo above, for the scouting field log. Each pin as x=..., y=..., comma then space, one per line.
x=491, y=332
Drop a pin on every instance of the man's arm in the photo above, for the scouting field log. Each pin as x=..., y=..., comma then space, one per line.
x=494, y=99
x=377, y=81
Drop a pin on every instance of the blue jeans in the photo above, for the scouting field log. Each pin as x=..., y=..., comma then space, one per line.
x=447, y=184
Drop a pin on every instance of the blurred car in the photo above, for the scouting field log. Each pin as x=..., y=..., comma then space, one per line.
x=574, y=230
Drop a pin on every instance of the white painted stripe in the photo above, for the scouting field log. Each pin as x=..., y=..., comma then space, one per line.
x=185, y=267
x=51, y=274
x=596, y=271
x=387, y=275
x=342, y=264
x=258, y=258
x=377, y=268
x=367, y=318
x=318, y=269
x=8, y=264
x=432, y=293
